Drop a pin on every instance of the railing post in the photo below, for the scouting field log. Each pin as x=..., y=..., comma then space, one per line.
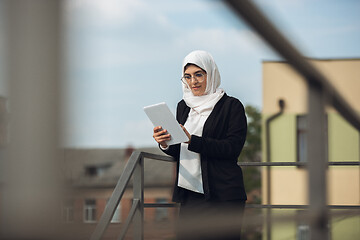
x=317, y=164
x=138, y=188
x=116, y=196
x=31, y=181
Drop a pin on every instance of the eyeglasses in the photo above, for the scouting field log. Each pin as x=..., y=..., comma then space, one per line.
x=199, y=76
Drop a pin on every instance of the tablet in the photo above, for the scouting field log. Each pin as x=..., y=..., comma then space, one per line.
x=160, y=115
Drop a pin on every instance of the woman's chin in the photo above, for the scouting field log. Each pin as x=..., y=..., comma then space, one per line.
x=197, y=92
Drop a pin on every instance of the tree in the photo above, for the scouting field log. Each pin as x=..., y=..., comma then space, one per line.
x=251, y=153
x=252, y=147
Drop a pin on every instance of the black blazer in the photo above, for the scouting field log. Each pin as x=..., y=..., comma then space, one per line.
x=223, y=138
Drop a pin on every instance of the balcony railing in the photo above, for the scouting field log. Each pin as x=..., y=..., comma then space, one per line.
x=135, y=168
x=321, y=92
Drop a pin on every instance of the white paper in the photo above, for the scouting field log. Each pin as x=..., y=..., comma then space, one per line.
x=160, y=115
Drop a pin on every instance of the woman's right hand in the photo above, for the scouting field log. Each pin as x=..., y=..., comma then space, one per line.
x=161, y=136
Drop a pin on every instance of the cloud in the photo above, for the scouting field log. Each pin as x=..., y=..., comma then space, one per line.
x=108, y=11
x=114, y=15
x=118, y=64
x=227, y=41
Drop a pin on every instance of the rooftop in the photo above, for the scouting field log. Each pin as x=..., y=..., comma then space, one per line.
x=101, y=168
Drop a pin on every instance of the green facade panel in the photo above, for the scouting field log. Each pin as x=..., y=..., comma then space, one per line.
x=282, y=138
x=343, y=139
x=345, y=228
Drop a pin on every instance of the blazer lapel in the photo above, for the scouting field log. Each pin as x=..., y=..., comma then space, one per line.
x=211, y=122
x=183, y=113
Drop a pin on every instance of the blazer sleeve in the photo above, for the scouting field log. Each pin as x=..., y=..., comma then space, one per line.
x=230, y=142
x=172, y=150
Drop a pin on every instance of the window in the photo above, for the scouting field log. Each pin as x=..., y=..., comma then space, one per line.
x=302, y=229
x=161, y=213
x=93, y=171
x=301, y=125
x=90, y=210
x=301, y=135
x=90, y=171
x=303, y=232
x=68, y=210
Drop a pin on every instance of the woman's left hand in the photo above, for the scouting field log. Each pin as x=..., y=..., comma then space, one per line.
x=187, y=133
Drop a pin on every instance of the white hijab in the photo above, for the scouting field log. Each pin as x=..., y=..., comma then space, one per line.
x=190, y=176
x=205, y=103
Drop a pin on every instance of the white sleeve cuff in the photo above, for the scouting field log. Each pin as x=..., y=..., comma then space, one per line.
x=162, y=148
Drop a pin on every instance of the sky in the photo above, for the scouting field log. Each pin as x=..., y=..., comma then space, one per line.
x=122, y=55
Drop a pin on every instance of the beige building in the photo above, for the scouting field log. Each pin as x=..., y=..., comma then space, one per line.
x=289, y=185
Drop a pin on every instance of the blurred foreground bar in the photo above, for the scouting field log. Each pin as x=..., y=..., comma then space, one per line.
x=30, y=197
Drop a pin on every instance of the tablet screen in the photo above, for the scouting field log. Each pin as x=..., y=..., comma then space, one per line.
x=160, y=115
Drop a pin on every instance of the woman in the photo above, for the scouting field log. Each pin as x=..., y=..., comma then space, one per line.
x=209, y=183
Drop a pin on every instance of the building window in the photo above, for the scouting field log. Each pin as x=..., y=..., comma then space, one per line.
x=90, y=171
x=117, y=214
x=90, y=210
x=303, y=232
x=68, y=211
x=301, y=135
x=301, y=127
x=161, y=213
x=94, y=171
x=302, y=227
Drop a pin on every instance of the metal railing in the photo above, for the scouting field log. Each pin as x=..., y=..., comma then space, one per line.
x=135, y=168
x=321, y=92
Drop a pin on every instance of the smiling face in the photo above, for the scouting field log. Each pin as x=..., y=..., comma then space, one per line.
x=197, y=88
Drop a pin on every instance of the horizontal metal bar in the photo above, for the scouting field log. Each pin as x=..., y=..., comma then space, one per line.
x=284, y=206
x=260, y=164
x=276, y=206
x=349, y=207
x=160, y=205
x=344, y=163
x=287, y=164
x=271, y=164
x=157, y=157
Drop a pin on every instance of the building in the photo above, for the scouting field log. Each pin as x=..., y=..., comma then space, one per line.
x=92, y=175
x=289, y=184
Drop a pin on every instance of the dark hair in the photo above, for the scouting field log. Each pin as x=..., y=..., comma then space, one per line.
x=192, y=64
